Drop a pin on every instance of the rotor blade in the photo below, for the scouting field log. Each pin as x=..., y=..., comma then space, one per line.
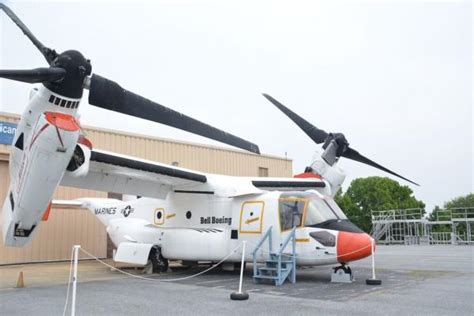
x=354, y=155
x=316, y=134
x=51, y=74
x=48, y=53
x=109, y=95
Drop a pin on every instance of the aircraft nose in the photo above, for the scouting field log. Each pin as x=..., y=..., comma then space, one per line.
x=353, y=246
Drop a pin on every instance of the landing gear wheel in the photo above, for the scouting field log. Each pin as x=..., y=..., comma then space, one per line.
x=342, y=274
x=345, y=268
x=160, y=263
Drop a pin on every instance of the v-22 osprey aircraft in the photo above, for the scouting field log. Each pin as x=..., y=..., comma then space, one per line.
x=183, y=214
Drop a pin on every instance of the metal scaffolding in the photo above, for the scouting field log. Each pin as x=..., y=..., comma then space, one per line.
x=410, y=227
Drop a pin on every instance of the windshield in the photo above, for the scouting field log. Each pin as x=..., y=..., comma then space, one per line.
x=296, y=207
x=321, y=210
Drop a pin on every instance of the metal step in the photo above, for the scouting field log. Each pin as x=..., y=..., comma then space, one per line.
x=279, y=266
x=269, y=277
x=272, y=261
x=272, y=269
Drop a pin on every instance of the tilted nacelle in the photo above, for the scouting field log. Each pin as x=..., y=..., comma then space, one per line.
x=332, y=174
x=45, y=153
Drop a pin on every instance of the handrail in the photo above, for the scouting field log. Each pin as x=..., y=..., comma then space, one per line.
x=291, y=236
x=287, y=240
x=268, y=234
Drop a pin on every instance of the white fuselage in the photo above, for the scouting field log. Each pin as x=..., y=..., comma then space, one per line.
x=202, y=227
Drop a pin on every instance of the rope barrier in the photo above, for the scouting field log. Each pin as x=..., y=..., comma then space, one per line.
x=266, y=251
x=138, y=276
x=163, y=280
x=263, y=250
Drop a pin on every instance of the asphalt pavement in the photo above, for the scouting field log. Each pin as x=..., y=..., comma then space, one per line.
x=416, y=280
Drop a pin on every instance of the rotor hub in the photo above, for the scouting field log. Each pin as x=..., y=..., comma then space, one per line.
x=77, y=68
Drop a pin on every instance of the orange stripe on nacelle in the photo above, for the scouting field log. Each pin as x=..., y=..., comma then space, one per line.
x=84, y=141
x=46, y=212
x=62, y=121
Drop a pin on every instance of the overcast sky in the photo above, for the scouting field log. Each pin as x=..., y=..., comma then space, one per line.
x=394, y=76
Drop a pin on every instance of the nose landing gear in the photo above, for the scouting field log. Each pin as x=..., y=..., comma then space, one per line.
x=342, y=274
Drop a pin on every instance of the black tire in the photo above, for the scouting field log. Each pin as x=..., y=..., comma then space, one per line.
x=373, y=282
x=346, y=269
x=236, y=296
x=160, y=263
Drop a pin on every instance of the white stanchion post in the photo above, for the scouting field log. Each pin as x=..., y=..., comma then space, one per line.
x=373, y=280
x=241, y=296
x=373, y=259
x=74, y=279
x=242, y=266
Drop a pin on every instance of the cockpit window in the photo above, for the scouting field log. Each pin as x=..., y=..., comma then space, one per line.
x=308, y=208
x=291, y=212
x=321, y=210
x=335, y=208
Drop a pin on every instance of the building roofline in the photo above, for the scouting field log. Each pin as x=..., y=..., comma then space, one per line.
x=162, y=139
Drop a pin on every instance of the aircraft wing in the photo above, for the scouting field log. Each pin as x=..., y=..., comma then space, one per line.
x=288, y=184
x=111, y=172
x=229, y=186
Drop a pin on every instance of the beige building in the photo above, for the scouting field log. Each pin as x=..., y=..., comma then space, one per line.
x=66, y=227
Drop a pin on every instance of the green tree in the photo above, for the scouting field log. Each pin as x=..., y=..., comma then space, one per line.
x=461, y=201
x=375, y=194
x=439, y=214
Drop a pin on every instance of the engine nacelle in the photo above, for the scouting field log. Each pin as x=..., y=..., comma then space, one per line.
x=332, y=174
x=44, y=158
x=79, y=164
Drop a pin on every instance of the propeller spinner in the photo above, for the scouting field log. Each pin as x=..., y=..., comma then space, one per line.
x=335, y=144
x=69, y=73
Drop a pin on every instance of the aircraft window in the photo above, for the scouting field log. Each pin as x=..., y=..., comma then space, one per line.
x=12, y=202
x=291, y=213
x=336, y=209
x=19, y=142
x=318, y=212
x=324, y=238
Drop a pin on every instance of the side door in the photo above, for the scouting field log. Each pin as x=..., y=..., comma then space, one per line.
x=251, y=217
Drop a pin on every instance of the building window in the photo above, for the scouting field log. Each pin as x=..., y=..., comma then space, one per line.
x=117, y=196
x=262, y=172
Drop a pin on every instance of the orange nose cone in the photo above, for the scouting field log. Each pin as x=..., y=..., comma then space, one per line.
x=353, y=246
